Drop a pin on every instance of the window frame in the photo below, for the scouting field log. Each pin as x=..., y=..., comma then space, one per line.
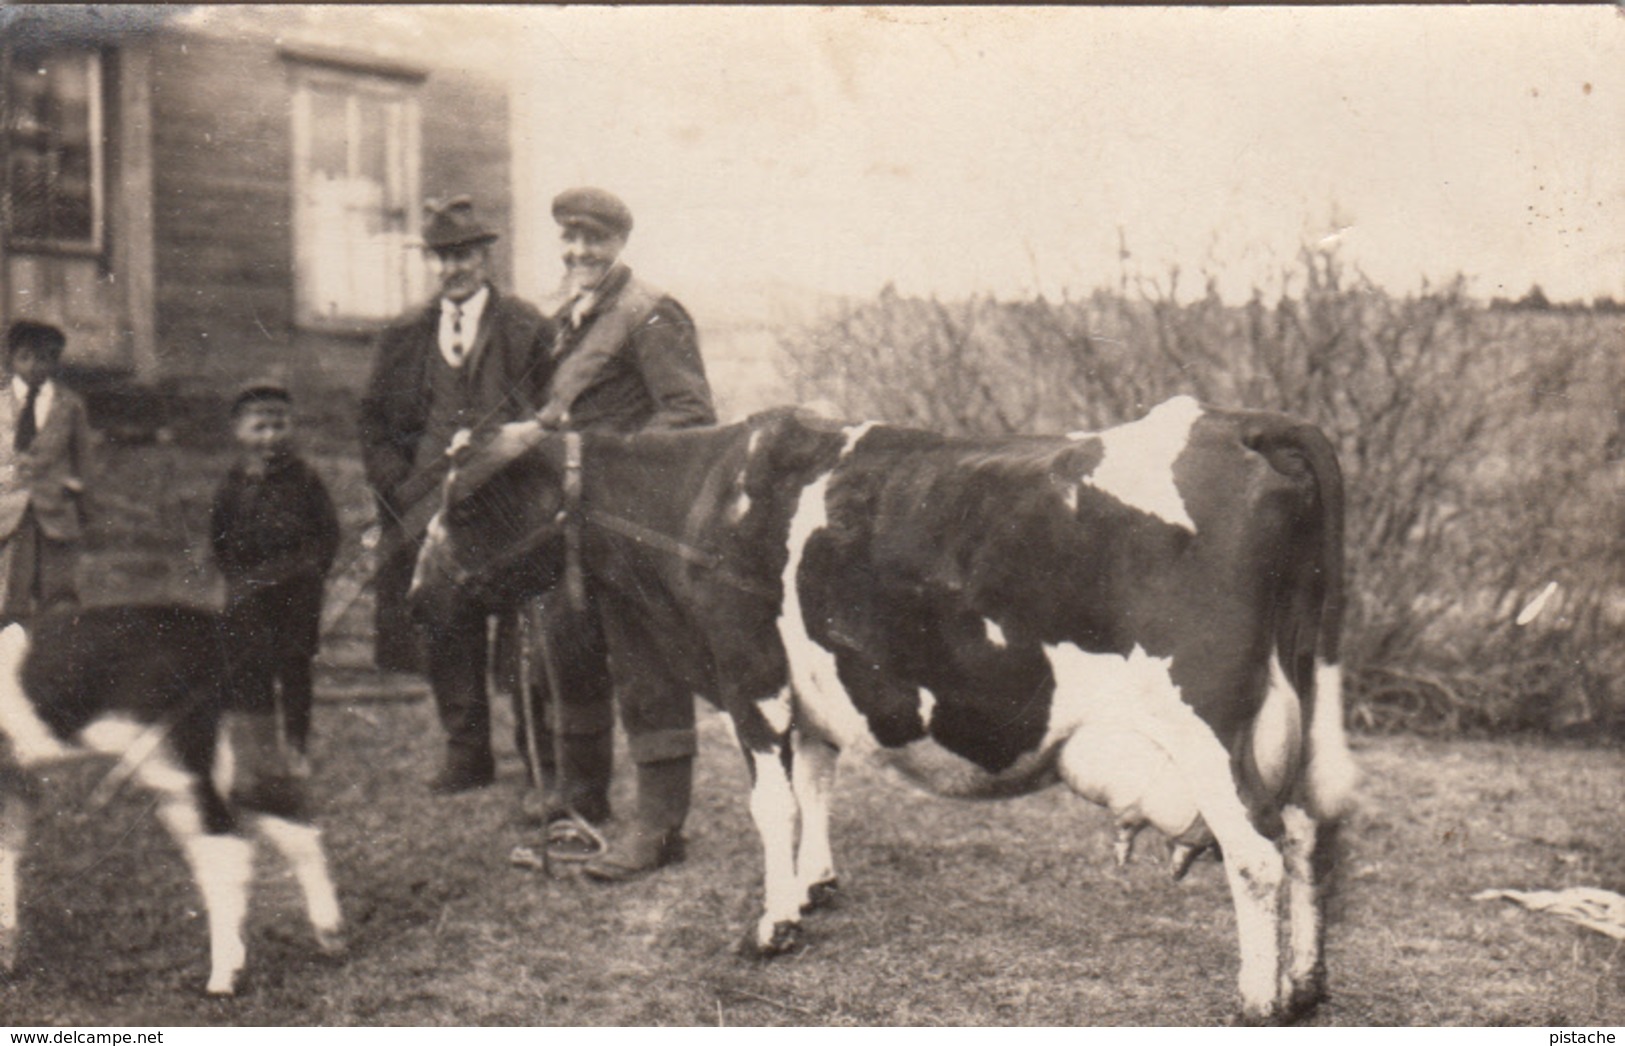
x=95, y=245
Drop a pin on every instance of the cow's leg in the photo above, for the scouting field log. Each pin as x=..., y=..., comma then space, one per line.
x=1305, y=971
x=1253, y=866
x=301, y=846
x=812, y=774
x=222, y=866
x=765, y=736
x=13, y=841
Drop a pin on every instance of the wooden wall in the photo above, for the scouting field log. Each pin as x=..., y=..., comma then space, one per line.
x=223, y=192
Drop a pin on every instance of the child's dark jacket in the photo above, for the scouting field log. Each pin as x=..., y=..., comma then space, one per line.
x=274, y=537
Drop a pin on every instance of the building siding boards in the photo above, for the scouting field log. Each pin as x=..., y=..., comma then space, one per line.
x=465, y=150
x=224, y=248
x=200, y=248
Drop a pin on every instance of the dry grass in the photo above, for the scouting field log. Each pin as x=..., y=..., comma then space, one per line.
x=957, y=914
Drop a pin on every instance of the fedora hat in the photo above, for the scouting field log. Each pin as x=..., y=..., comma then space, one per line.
x=453, y=224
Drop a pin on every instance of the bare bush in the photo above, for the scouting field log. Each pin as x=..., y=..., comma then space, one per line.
x=1474, y=443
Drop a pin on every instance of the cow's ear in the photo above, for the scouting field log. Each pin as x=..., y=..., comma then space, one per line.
x=793, y=442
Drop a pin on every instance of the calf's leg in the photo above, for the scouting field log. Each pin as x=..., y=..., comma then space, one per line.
x=812, y=776
x=301, y=846
x=13, y=841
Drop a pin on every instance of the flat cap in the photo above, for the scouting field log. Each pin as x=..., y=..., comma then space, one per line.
x=260, y=390
x=597, y=209
x=453, y=224
x=43, y=338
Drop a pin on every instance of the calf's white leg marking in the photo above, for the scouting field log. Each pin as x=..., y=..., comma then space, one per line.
x=812, y=775
x=301, y=846
x=773, y=808
x=13, y=841
x=1137, y=466
x=222, y=866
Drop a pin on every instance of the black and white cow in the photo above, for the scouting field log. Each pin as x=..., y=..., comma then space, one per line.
x=146, y=684
x=1149, y=614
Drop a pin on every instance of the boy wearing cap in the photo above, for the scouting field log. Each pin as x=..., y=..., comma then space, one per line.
x=473, y=357
x=45, y=448
x=275, y=533
x=626, y=359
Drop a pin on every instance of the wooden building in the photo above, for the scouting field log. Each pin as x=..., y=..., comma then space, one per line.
x=180, y=184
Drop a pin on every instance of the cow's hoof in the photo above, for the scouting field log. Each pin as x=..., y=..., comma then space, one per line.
x=1304, y=998
x=822, y=895
x=332, y=942
x=1258, y=1017
x=783, y=938
x=223, y=985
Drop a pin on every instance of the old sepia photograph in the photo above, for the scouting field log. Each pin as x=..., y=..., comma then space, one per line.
x=721, y=516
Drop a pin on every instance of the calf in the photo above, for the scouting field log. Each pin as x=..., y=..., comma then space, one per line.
x=1149, y=614
x=149, y=684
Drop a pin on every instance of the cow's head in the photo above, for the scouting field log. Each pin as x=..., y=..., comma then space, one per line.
x=499, y=533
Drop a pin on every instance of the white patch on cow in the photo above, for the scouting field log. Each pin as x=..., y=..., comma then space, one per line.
x=813, y=674
x=1114, y=753
x=31, y=740
x=224, y=771
x=1137, y=466
x=138, y=746
x=301, y=846
x=995, y=634
x=776, y=710
x=1145, y=703
x=928, y=708
x=1331, y=776
x=813, y=779
x=773, y=808
x=1278, y=735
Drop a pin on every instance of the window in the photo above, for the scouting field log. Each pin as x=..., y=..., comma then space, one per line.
x=54, y=150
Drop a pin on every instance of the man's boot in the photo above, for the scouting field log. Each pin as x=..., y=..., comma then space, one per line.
x=581, y=784
x=654, y=839
x=466, y=769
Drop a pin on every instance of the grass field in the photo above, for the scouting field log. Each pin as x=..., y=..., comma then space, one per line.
x=959, y=914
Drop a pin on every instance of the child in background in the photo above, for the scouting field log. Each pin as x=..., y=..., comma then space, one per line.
x=44, y=459
x=275, y=532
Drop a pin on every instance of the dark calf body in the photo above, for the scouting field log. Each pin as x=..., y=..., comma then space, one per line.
x=151, y=686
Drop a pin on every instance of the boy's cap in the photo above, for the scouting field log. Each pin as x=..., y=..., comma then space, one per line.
x=260, y=390
x=43, y=338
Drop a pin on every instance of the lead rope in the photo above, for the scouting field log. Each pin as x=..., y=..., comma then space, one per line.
x=572, y=838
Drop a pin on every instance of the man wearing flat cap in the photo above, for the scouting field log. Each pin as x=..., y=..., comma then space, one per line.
x=473, y=358
x=625, y=359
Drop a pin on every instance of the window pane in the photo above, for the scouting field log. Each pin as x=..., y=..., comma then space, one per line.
x=329, y=132
x=52, y=147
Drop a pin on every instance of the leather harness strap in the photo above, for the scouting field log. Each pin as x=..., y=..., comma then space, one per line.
x=571, y=517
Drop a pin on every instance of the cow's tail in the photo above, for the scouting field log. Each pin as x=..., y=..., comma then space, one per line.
x=1309, y=611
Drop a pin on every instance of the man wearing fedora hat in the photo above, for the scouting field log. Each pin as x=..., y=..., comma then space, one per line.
x=473, y=357
x=625, y=359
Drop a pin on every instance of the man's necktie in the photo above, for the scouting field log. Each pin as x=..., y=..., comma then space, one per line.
x=457, y=346
x=27, y=427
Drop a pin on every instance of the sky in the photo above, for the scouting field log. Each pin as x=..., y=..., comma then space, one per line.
x=1054, y=150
